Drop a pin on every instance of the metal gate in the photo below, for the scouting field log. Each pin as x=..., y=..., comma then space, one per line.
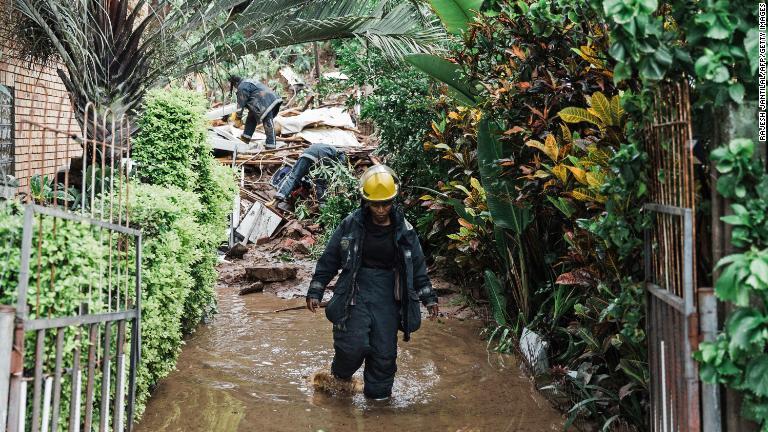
x=672, y=319
x=77, y=338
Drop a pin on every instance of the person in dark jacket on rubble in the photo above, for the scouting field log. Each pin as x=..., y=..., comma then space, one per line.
x=312, y=155
x=263, y=105
x=383, y=279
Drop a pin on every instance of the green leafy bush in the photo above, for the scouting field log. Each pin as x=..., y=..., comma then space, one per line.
x=737, y=357
x=713, y=42
x=182, y=223
x=216, y=189
x=400, y=105
x=171, y=129
x=340, y=199
x=69, y=268
x=172, y=239
x=172, y=150
x=562, y=185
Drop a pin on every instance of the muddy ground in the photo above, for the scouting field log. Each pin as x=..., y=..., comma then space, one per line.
x=247, y=370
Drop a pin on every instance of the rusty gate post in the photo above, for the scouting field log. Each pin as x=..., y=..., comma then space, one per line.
x=7, y=317
x=711, y=413
x=15, y=396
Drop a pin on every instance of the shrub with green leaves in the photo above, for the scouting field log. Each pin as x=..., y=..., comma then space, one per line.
x=172, y=239
x=400, y=105
x=171, y=129
x=69, y=267
x=216, y=191
x=172, y=150
x=737, y=357
x=183, y=217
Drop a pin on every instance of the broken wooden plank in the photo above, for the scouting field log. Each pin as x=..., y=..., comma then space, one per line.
x=221, y=111
x=259, y=222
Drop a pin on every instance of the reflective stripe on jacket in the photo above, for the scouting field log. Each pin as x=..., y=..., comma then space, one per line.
x=258, y=98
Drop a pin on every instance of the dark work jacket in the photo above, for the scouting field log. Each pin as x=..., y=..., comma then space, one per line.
x=318, y=151
x=258, y=98
x=344, y=252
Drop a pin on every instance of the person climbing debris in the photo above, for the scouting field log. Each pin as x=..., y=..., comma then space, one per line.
x=263, y=105
x=383, y=278
x=287, y=182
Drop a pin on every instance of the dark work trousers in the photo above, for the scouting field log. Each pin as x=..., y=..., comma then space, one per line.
x=269, y=129
x=299, y=170
x=370, y=334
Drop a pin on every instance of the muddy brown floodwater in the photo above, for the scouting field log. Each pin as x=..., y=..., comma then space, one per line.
x=246, y=371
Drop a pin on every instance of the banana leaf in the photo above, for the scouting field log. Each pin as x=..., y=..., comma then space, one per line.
x=499, y=191
x=496, y=297
x=455, y=14
x=447, y=73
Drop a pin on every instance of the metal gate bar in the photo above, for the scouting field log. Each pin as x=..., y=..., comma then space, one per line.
x=669, y=257
x=672, y=320
x=46, y=396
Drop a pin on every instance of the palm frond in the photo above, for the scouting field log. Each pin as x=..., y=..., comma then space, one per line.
x=113, y=51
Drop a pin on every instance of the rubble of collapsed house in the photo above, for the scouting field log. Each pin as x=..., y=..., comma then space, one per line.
x=296, y=127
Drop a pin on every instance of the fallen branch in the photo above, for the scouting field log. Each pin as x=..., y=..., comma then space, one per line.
x=292, y=147
x=308, y=103
x=322, y=305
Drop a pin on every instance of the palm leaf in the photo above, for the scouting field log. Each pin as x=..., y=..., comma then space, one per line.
x=113, y=51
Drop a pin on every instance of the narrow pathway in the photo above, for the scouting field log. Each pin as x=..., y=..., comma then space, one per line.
x=246, y=371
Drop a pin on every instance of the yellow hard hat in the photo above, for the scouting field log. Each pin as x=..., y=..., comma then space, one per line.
x=379, y=183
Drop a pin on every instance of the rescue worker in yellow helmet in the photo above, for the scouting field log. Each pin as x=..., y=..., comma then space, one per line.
x=383, y=279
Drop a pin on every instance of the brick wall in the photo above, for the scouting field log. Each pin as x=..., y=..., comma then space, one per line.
x=40, y=97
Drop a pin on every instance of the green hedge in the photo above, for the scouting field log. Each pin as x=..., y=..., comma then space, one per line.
x=75, y=257
x=173, y=249
x=172, y=150
x=172, y=240
x=182, y=207
x=172, y=128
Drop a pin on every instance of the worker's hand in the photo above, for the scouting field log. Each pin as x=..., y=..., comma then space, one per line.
x=313, y=304
x=433, y=311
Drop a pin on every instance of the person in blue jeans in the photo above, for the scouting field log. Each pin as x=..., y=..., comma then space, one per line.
x=312, y=155
x=263, y=105
x=383, y=280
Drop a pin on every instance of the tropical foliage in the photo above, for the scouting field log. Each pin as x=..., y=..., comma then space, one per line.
x=542, y=171
x=737, y=358
x=713, y=41
x=129, y=47
x=714, y=45
x=398, y=101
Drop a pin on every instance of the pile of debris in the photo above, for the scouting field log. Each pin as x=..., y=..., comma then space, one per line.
x=253, y=221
